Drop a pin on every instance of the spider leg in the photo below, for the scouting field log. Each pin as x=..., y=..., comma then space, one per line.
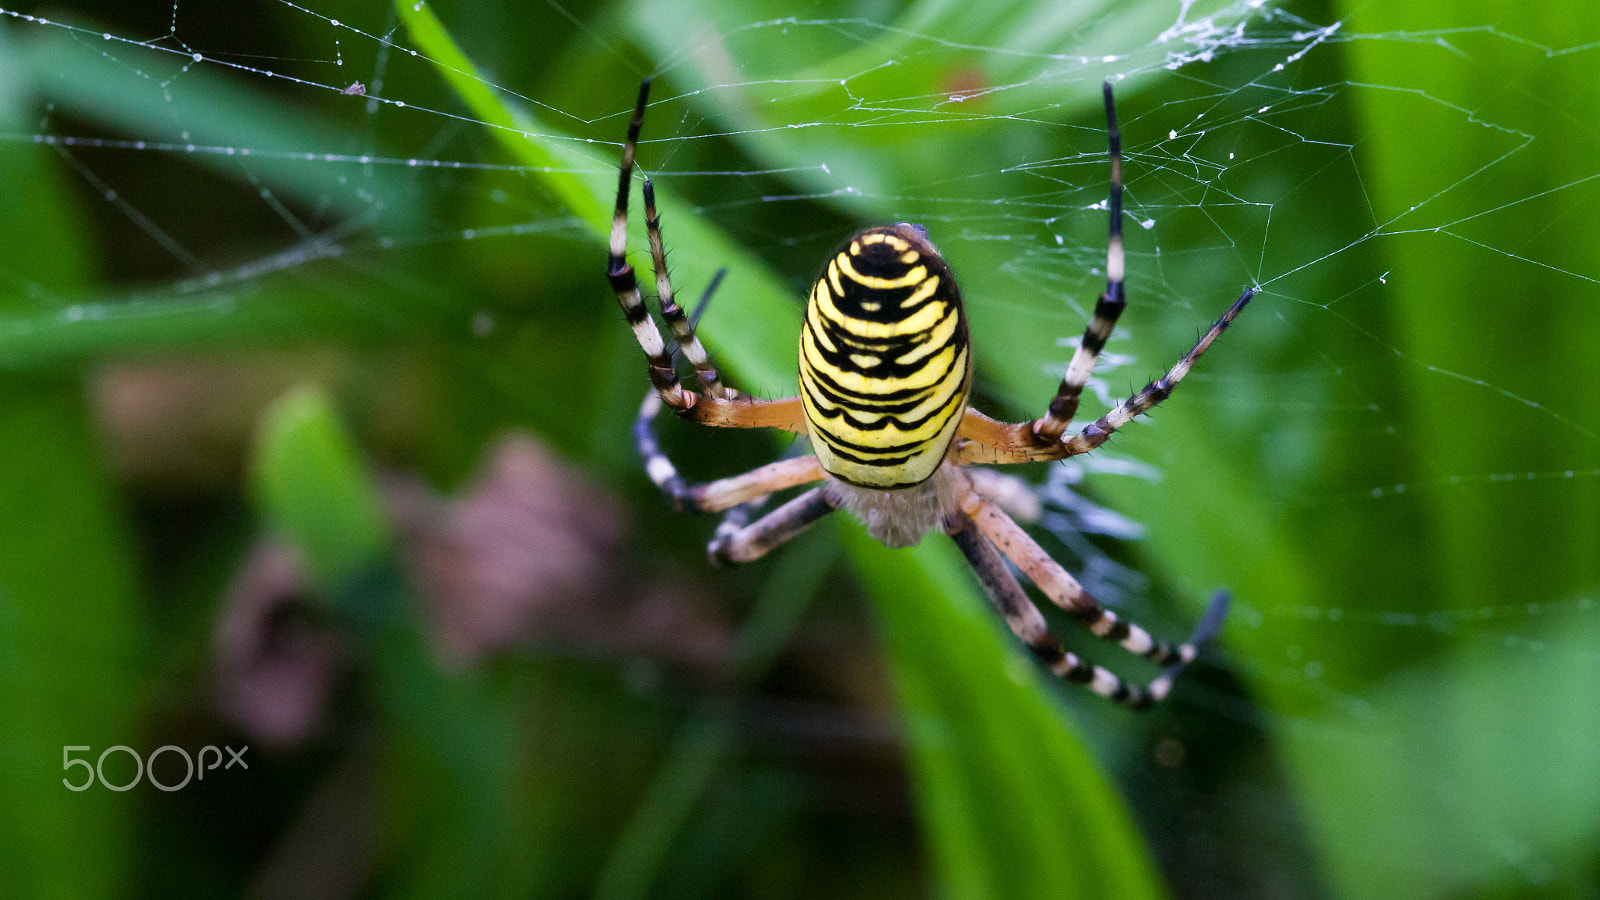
x=717, y=405
x=723, y=493
x=1028, y=624
x=734, y=521
x=625, y=284
x=739, y=410
x=745, y=543
x=1097, y=432
x=1106, y=310
x=1009, y=492
x=705, y=301
x=984, y=440
x=1065, y=591
x=681, y=325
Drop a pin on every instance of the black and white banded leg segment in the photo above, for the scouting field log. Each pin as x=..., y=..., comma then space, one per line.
x=724, y=493
x=1107, y=309
x=994, y=530
x=1025, y=621
x=1099, y=431
x=624, y=282
x=1064, y=590
x=739, y=497
x=681, y=326
x=997, y=443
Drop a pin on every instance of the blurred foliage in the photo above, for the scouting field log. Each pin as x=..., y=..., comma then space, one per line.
x=1409, y=706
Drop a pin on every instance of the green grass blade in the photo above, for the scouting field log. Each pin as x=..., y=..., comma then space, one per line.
x=765, y=317
x=313, y=487
x=826, y=74
x=71, y=626
x=215, y=118
x=1012, y=803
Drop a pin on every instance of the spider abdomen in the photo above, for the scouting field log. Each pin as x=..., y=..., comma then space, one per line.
x=884, y=360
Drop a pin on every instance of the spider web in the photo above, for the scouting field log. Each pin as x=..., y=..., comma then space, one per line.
x=1345, y=161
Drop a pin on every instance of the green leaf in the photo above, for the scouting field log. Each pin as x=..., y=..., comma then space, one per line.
x=1469, y=769
x=1012, y=803
x=70, y=648
x=70, y=623
x=213, y=117
x=765, y=317
x=1467, y=777
x=867, y=111
x=315, y=490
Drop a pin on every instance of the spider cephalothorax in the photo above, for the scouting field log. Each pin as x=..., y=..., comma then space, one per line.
x=885, y=368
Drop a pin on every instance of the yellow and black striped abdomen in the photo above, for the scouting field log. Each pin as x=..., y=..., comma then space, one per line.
x=884, y=362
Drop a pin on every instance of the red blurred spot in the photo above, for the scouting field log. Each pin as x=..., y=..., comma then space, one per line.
x=964, y=84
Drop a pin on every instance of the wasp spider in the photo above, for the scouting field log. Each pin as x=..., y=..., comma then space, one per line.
x=885, y=370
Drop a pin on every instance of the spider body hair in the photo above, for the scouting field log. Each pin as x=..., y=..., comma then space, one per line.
x=900, y=518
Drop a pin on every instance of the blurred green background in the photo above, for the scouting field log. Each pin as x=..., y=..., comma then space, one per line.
x=314, y=412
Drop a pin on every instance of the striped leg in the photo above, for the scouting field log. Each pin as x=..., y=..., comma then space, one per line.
x=735, y=410
x=663, y=373
x=1067, y=593
x=751, y=542
x=1097, y=432
x=1106, y=310
x=716, y=495
x=985, y=441
x=626, y=285
x=681, y=325
x=1027, y=624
